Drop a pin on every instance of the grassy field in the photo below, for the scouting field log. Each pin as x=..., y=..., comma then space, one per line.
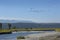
x=30, y=29
x=4, y=30
x=36, y=29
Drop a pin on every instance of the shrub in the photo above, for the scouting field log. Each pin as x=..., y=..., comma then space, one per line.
x=20, y=37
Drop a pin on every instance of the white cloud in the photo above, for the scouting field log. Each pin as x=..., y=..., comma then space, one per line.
x=26, y=19
x=36, y=10
x=14, y=18
x=37, y=20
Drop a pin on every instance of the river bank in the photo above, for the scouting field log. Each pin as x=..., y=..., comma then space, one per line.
x=14, y=35
x=43, y=36
x=5, y=31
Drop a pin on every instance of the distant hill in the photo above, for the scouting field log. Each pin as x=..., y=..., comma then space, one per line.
x=33, y=25
x=28, y=24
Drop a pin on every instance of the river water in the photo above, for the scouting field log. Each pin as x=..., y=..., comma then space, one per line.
x=14, y=35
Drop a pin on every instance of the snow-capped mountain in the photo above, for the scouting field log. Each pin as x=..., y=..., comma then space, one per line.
x=15, y=21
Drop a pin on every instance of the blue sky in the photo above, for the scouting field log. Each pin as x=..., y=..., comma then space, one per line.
x=32, y=10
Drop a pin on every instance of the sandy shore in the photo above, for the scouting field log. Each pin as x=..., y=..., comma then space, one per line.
x=43, y=36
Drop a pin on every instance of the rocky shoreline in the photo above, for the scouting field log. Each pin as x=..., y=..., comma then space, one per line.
x=43, y=36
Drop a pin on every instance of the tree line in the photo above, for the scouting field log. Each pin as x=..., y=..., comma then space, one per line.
x=9, y=26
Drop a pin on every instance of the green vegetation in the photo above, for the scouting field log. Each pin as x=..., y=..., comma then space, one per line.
x=28, y=29
x=32, y=29
x=11, y=29
x=0, y=25
x=5, y=30
x=14, y=27
x=21, y=37
x=36, y=29
x=9, y=25
x=57, y=29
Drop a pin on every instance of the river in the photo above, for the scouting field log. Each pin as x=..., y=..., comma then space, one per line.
x=14, y=35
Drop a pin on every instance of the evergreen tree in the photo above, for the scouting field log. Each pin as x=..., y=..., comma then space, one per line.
x=9, y=25
x=0, y=25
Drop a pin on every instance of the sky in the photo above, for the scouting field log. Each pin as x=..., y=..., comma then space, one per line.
x=41, y=11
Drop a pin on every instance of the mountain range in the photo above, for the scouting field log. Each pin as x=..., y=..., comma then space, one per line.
x=28, y=24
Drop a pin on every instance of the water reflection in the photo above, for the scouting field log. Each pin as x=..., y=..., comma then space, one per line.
x=15, y=34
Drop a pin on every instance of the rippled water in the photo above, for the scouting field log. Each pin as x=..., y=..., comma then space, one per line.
x=16, y=34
